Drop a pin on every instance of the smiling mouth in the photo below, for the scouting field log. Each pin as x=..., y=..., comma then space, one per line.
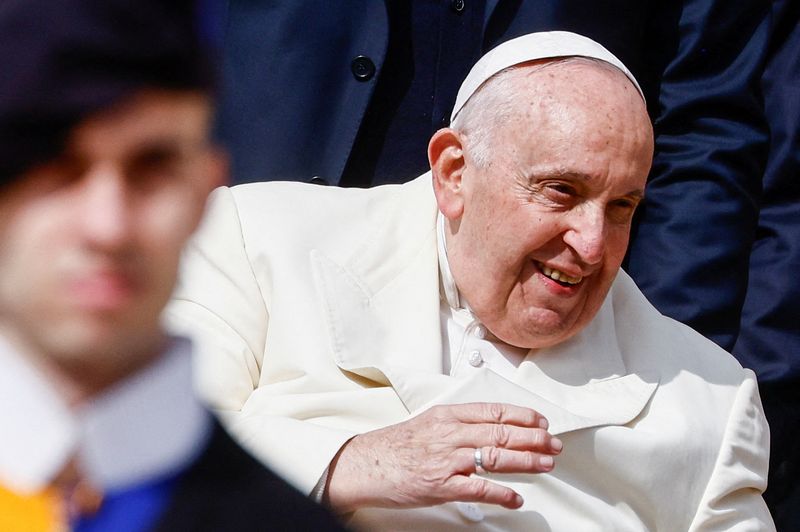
x=558, y=276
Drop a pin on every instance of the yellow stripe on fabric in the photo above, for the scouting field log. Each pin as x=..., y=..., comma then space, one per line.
x=41, y=512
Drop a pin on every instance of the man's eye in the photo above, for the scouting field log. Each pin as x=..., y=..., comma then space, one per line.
x=60, y=173
x=155, y=160
x=624, y=204
x=560, y=190
x=150, y=168
x=621, y=211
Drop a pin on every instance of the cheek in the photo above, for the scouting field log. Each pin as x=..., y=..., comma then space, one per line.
x=169, y=218
x=31, y=256
x=532, y=234
x=164, y=229
x=615, y=253
x=35, y=237
x=617, y=246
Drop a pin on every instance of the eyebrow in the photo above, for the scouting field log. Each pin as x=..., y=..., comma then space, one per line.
x=550, y=174
x=166, y=144
x=636, y=193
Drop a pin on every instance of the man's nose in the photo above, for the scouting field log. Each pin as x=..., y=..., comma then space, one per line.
x=106, y=210
x=586, y=234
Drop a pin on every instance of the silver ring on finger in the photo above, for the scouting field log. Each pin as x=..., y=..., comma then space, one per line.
x=477, y=455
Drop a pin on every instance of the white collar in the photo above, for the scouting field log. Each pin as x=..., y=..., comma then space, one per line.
x=39, y=434
x=148, y=426
x=448, y=282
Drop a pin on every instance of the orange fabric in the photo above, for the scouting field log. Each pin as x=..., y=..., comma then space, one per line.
x=40, y=512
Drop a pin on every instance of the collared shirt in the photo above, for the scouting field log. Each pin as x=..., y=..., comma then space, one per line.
x=145, y=427
x=466, y=343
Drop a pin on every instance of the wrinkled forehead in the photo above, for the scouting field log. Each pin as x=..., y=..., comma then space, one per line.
x=569, y=83
x=530, y=48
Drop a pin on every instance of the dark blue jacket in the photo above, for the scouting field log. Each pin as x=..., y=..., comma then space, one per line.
x=717, y=244
x=292, y=103
x=769, y=328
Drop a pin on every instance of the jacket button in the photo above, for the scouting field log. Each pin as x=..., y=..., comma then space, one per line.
x=317, y=180
x=363, y=68
x=458, y=5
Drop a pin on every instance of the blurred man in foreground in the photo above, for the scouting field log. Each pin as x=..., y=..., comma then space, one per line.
x=463, y=351
x=105, y=166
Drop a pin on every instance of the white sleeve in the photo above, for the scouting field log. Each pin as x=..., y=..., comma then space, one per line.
x=219, y=304
x=733, y=496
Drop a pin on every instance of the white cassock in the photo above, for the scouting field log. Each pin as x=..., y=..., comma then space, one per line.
x=317, y=316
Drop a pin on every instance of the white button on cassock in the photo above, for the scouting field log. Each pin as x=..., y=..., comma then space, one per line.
x=475, y=358
x=470, y=511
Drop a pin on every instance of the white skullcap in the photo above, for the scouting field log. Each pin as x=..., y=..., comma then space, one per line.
x=530, y=47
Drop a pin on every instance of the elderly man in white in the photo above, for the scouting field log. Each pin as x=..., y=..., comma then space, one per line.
x=463, y=351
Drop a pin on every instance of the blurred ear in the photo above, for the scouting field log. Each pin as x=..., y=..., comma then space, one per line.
x=446, y=156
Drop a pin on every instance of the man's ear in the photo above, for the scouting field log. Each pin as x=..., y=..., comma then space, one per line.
x=446, y=156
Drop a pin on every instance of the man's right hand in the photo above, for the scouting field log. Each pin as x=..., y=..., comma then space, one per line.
x=429, y=459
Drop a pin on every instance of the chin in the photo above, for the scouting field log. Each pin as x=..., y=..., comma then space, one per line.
x=544, y=329
x=83, y=343
x=92, y=336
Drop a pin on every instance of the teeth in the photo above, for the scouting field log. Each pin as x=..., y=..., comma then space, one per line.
x=559, y=275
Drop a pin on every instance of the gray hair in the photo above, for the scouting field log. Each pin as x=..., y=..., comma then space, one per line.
x=494, y=103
